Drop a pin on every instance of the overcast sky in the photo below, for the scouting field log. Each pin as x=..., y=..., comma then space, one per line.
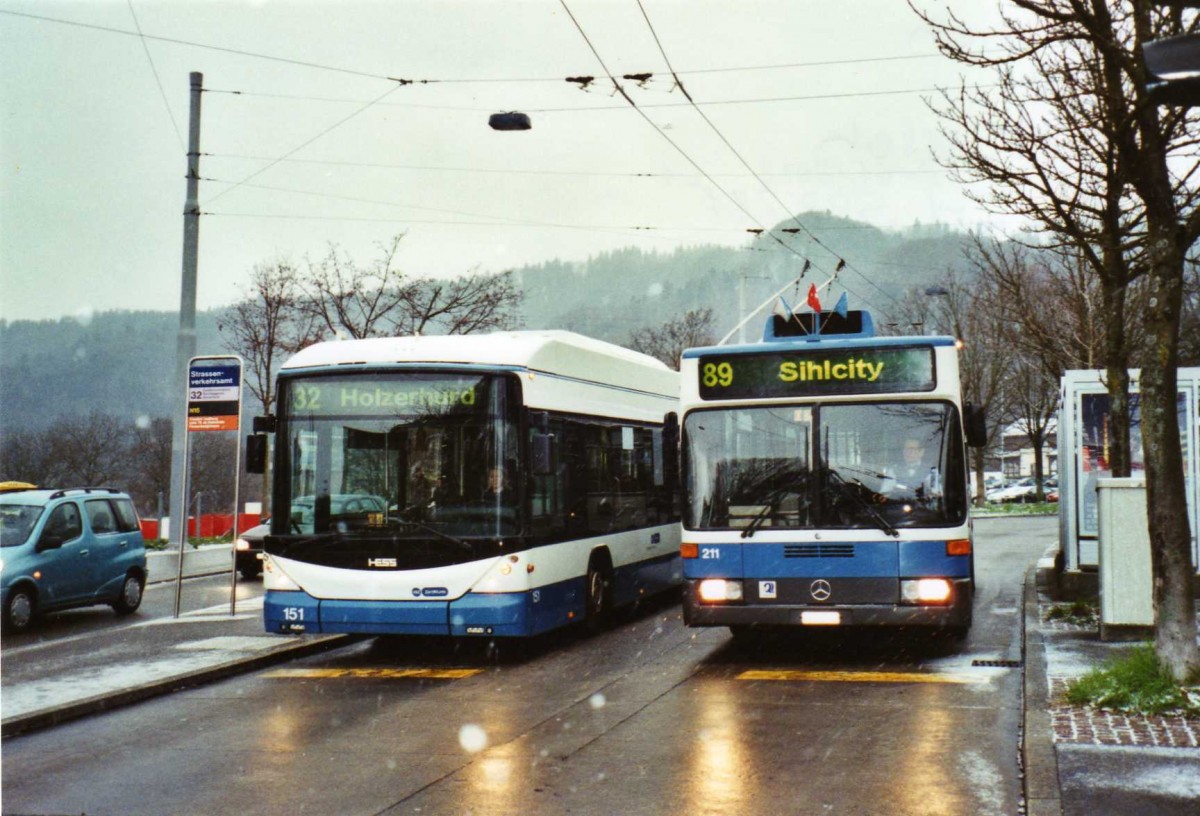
x=308, y=140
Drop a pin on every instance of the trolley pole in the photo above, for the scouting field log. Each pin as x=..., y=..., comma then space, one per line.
x=186, y=345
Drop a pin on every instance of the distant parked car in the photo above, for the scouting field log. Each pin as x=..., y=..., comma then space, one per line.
x=340, y=504
x=1024, y=490
x=66, y=548
x=248, y=549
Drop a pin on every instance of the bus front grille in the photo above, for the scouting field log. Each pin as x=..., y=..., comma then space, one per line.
x=818, y=551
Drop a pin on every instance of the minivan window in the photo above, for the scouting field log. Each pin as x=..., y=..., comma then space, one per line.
x=64, y=523
x=100, y=516
x=127, y=520
x=16, y=523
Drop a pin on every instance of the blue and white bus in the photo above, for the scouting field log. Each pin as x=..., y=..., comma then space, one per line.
x=495, y=485
x=825, y=479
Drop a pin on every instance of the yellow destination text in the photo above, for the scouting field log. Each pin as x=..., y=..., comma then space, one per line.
x=378, y=397
x=811, y=370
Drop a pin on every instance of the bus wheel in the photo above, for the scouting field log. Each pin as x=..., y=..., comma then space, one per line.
x=598, y=586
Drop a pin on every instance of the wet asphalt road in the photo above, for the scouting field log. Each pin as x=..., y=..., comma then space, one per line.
x=650, y=717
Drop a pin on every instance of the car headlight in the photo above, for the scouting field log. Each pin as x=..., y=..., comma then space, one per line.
x=242, y=544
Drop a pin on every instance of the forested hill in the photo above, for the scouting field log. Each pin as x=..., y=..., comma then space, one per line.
x=120, y=363
x=615, y=293
x=117, y=363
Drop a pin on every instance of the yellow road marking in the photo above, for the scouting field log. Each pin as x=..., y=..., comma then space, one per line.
x=390, y=674
x=858, y=677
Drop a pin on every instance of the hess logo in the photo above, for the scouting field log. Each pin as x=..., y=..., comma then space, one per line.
x=381, y=563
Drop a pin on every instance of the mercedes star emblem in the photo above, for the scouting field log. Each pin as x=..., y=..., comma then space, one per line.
x=820, y=590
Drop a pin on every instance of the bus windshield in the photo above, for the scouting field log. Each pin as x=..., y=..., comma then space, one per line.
x=825, y=465
x=406, y=455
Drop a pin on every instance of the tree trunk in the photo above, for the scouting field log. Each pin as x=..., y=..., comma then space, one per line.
x=980, y=487
x=1166, y=502
x=1116, y=363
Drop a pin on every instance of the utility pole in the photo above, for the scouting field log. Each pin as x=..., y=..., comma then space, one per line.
x=186, y=345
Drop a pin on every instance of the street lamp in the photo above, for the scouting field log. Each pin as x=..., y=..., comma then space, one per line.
x=509, y=121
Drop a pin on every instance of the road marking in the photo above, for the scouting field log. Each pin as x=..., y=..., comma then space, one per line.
x=858, y=677
x=390, y=674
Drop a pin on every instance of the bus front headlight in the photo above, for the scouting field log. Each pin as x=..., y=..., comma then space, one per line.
x=275, y=578
x=717, y=590
x=926, y=591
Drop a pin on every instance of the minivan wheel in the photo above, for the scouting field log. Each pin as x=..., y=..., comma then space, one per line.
x=131, y=595
x=18, y=612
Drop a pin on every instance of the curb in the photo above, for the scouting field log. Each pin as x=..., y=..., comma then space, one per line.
x=112, y=700
x=1039, y=758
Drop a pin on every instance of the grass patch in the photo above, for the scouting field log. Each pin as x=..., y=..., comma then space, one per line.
x=159, y=544
x=1080, y=613
x=1135, y=683
x=1019, y=508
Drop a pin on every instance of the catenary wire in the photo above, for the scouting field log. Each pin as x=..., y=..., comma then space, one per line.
x=157, y=79
x=770, y=191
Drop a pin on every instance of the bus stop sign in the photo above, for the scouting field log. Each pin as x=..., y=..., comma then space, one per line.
x=214, y=397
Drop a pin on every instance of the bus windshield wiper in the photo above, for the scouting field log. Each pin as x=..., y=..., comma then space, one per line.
x=798, y=479
x=849, y=489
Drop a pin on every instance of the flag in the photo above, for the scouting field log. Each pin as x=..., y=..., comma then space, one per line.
x=783, y=309
x=842, y=306
x=814, y=302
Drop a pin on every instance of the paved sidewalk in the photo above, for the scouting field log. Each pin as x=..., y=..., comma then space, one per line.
x=66, y=678
x=1086, y=762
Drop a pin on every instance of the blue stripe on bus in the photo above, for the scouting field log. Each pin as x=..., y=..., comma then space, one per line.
x=872, y=559
x=645, y=578
x=509, y=614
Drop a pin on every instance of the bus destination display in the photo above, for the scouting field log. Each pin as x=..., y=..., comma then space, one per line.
x=384, y=396
x=816, y=373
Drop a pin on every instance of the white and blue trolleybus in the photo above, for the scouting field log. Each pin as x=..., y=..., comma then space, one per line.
x=496, y=485
x=825, y=479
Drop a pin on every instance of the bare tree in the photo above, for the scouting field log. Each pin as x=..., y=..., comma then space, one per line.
x=379, y=299
x=464, y=305
x=1069, y=140
x=26, y=456
x=1042, y=143
x=150, y=448
x=667, y=342
x=964, y=310
x=263, y=328
x=1035, y=406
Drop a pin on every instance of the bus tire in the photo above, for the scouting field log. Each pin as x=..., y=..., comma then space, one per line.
x=598, y=593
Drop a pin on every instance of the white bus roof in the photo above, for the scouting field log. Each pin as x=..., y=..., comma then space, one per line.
x=549, y=351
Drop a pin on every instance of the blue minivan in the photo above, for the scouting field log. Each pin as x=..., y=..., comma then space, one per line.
x=67, y=548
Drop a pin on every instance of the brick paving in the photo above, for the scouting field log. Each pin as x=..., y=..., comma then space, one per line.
x=1093, y=726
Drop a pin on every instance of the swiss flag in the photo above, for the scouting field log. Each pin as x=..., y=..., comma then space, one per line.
x=813, y=301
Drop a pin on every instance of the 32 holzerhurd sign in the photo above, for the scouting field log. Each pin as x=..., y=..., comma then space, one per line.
x=214, y=397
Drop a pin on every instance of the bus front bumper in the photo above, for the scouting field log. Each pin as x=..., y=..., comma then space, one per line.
x=956, y=614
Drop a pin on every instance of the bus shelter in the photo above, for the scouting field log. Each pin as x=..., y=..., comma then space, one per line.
x=1083, y=457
